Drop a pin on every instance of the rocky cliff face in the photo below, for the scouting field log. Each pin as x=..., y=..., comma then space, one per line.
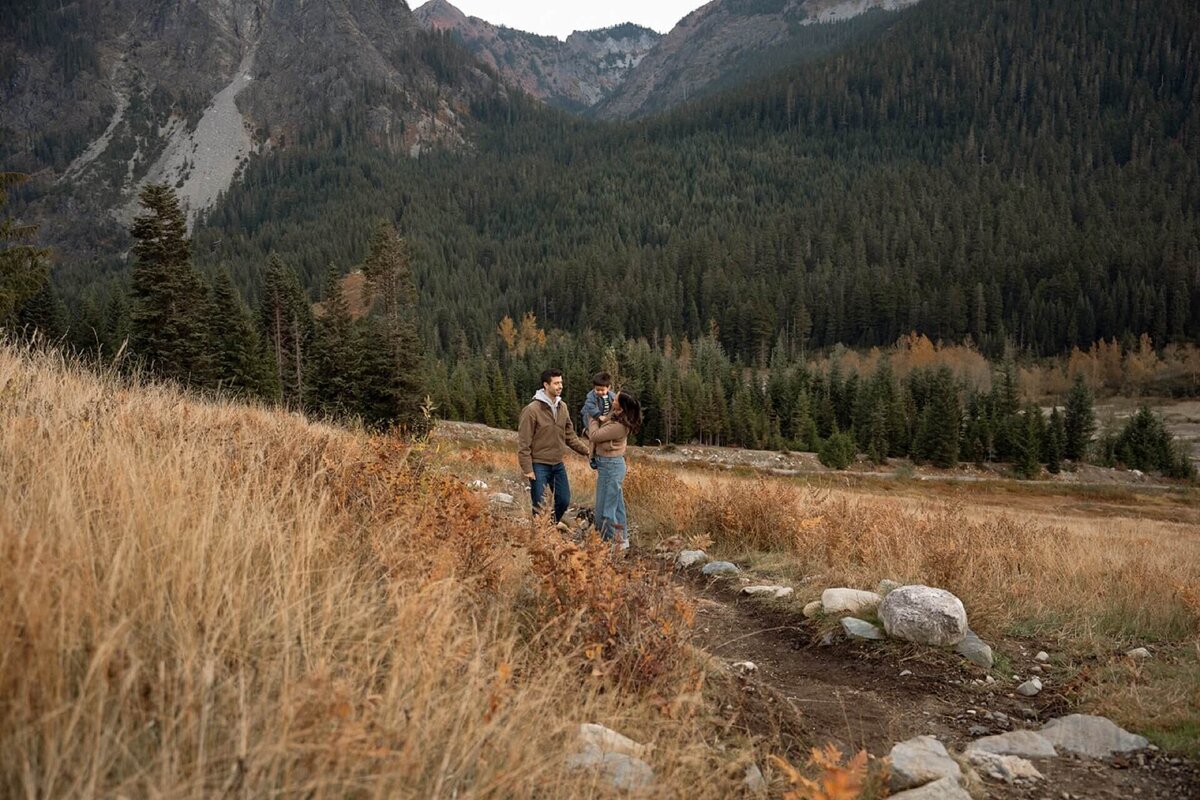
x=99, y=98
x=575, y=74
x=717, y=39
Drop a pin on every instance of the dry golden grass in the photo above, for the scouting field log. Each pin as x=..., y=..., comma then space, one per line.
x=206, y=599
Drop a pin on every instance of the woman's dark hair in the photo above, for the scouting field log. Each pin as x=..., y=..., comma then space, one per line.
x=631, y=412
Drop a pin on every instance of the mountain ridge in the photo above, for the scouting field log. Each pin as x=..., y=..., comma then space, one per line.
x=573, y=74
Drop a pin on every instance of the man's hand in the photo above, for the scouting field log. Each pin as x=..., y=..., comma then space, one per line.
x=530, y=475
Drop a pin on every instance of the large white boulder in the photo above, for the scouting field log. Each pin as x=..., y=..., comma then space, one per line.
x=848, y=601
x=924, y=615
x=944, y=789
x=921, y=760
x=1027, y=744
x=1098, y=737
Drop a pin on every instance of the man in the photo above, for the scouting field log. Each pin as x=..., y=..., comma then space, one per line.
x=543, y=433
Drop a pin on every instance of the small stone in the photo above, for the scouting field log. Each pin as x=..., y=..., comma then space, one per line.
x=688, y=558
x=1003, y=768
x=745, y=667
x=924, y=615
x=848, y=601
x=861, y=629
x=720, y=568
x=1139, y=653
x=988, y=679
x=754, y=781
x=975, y=650
x=502, y=499
x=1036, y=669
x=826, y=640
x=478, y=485
x=920, y=760
x=1042, y=656
x=813, y=608
x=1098, y=737
x=979, y=730
x=906, y=673
x=777, y=592
x=944, y=789
x=1027, y=744
x=1030, y=688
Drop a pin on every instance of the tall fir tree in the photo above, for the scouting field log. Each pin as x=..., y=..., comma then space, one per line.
x=169, y=323
x=336, y=357
x=393, y=289
x=238, y=358
x=1079, y=420
x=23, y=267
x=286, y=323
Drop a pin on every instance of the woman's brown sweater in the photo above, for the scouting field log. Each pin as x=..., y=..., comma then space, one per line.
x=608, y=440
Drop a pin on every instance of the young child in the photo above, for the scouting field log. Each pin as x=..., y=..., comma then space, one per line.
x=598, y=403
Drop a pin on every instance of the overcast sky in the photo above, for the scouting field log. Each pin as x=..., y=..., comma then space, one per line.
x=561, y=17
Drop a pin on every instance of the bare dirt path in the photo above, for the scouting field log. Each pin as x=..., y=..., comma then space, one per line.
x=856, y=696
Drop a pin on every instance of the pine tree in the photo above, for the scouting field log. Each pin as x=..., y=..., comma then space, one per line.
x=941, y=421
x=393, y=289
x=169, y=324
x=238, y=359
x=335, y=354
x=1052, y=447
x=23, y=267
x=285, y=319
x=1026, y=444
x=1080, y=420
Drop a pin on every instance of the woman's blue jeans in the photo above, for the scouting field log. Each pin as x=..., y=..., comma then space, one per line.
x=610, y=499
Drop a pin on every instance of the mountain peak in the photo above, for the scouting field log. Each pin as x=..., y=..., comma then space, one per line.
x=440, y=15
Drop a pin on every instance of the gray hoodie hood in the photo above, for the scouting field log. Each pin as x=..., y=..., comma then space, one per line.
x=540, y=394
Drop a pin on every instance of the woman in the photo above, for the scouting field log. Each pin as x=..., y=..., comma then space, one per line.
x=609, y=435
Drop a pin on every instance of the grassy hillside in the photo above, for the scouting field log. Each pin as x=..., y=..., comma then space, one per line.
x=207, y=599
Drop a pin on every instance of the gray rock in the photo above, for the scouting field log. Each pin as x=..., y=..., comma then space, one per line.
x=1093, y=736
x=745, y=667
x=944, y=789
x=478, y=485
x=1042, y=656
x=1003, y=768
x=979, y=730
x=776, y=592
x=921, y=760
x=720, y=568
x=615, y=757
x=625, y=772
x=975, y=650
x=861, y=629
x=1030, y=687
x=502, y=499
x=1027, y=744
x=1139, y=653
x=813, y=608
x=754, y=781
x=924, y=615
x=688, y=558
x=848, y=601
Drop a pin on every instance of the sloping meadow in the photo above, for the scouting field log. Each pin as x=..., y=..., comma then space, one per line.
x=205, y=598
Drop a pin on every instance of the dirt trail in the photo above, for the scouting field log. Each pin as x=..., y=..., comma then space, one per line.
x=853, y=694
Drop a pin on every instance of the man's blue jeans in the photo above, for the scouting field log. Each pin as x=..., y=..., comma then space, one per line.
x=554, y=476
x=610, y=499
